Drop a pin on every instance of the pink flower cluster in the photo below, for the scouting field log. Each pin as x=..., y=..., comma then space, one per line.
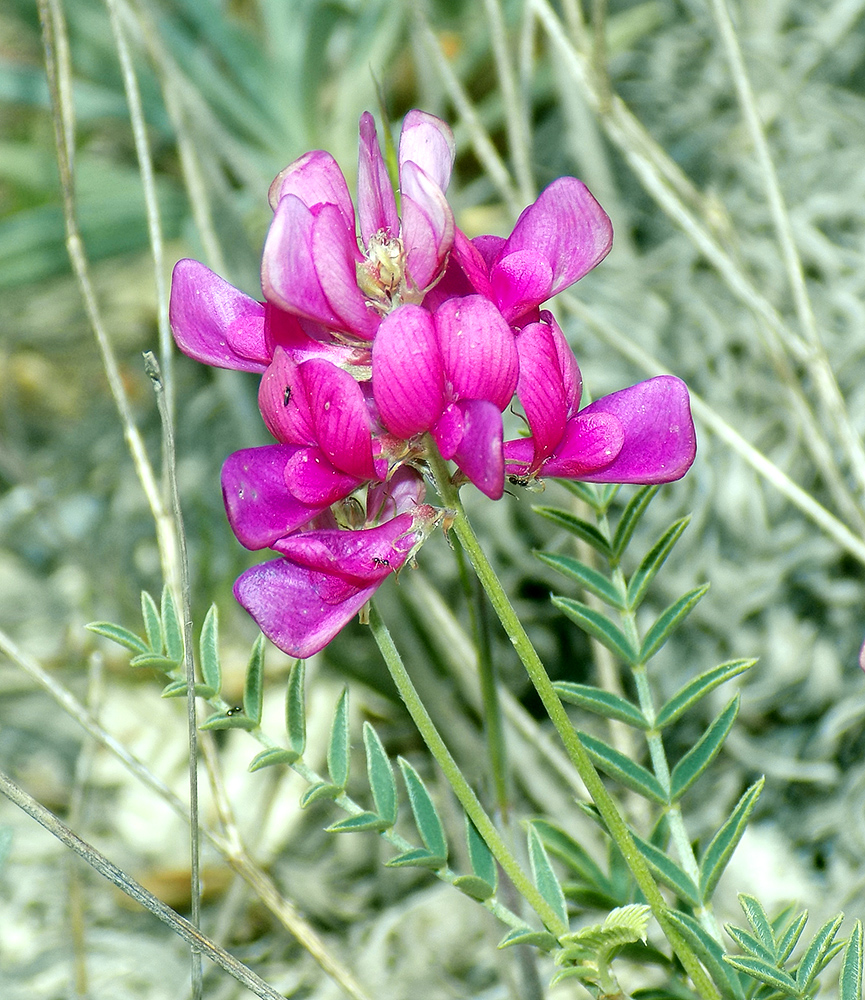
x=387, y=330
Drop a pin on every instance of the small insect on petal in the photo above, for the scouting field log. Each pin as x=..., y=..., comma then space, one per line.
x=286, y=399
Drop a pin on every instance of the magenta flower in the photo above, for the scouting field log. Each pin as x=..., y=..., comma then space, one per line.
x=643, y=434
x=312, y=265
x=452, y=373
x=557, y=240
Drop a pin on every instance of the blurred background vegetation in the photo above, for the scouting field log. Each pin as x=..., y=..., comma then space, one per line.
x=698, y=283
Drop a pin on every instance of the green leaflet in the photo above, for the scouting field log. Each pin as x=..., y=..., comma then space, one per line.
x=748, y=943
x=759, y=921
x=420, y=857
x=295, y=708
x=208, y=645
x=766, y=973
x=480, y=857
x=630, y=518
x=577, y=526
x=710, y=953
x=668, y=872
x=152, y=623
x=232, y=719
x=545, y=878
x=600, y=702
x=537, y=939
x=598, y=626
x=476, y=888
x=253, y=688
x=652, y=562
x=321, y=790
x=669, y=621
x=574, y=855
x=381, y=779
x=359, y=822
x=122, y=636
x=152, y=661
x=591, y=579
x=704, y=751
x=722, y=845
x=271, y=756
x=171, y=633
x=791, y=935
x=850, y=985
x=339, y=747
x=696, y=689
x=177, y=689
x=817, y=954
x=623, y=769
x=426, y=818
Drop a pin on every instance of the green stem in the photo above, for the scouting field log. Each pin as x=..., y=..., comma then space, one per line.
x=463, y=791
x=615, y=824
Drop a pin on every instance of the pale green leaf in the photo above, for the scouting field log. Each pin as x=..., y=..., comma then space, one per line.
x=208, y=645
x=537, y=939
x=420, y=857
x=339, y=747
x=152, y=623
x=171, y=632
x=669, y=621
x=764, y=972
x=700, y=686
x=480, y=857
x=295, y=708
x=253, y=688
x=271, y=756
x=381, y=779
x=150, y=661
x=748, y=943
x=710, y=953
x=850, y=985
x=668, y=872
x=759, y=921
x=630, y=518
x=177, y=689
x=587, y=577
x=814, y=959
x=566, y=849
x=359, y=822
x=704, y=751
x=122, y=636
x=652, y=562
x=577, y=526
x=631, y=774
x=545, y=878
x=791, y=935
x=722, y=845
x=474, y=887
x=231, y=719
x=426, y=817
x=598, y=626
x=600, y=702
x=320, y=790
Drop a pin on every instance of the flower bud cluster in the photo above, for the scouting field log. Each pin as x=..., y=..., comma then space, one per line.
x=385, y=333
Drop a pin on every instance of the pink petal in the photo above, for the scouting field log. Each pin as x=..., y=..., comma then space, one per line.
x=215, y=323
x=259, y=506
x=428, y=142
x=304, y=339
x=521, y=280
x=592, y=441
x=427, y=228
x=572, y=380
x=311, y=477
x=376, y=204
x=402, y=492
x=519, y=456
x=316, y=179
x=284, y=404
x=478, y=349
x=479, y=453
x=567, y=228
x=407, y=375
x=541, y=388
x=659, y=439
x=298, y=609
x=448, y=431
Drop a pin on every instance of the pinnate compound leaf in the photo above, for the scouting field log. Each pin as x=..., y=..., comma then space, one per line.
x=253, y=688
x=591, y=579
x=669, y=621
x=630, y=518
x=668, y=872
x=420, y=857
x=574, y=855
x=208, y=645
x=600, y=702
x=710, y=953
x=537, y=939
x=577, y=526
x=381, y=779
x=295, y=708
x=623, y=769
x=426, y=818
x=653, y=560
x=765, y=972
x=357, y=823
x=117, y=633
x=339, y=748
x=545, y=878
x=700, y=686
x=480, y=857
x=598, y=626
x=171, y=632
x=850, y=986
x=271, y=756
x=815, y=957
x=722, y=845
x=704, y=751
x=152, y=623
x=177, y=689
x=476, y=888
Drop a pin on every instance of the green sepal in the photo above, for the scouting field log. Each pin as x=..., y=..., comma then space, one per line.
x=704, y=751
x=577, y=526
x=253, y=687
x=271, y=756
x=480, y=857
x=320, y=790
x=764, y=972
x=600, y=702
x=566, y=849
x=117, y=633
x=816, y=955
x=631, y=774
x=177, y=689
x=357, y=823
x=152, y=623
x=598, y=626
x=545, y=878
x=381, y=779
x=591, y=579
x=154, y=661
x=426, y=818
x=675, y=614
x=652, y=562
x=477, y=888
x=692, y=692
x=710, y=953
x=418, y=858
x=537, y=939
x=208, y=645
x=295, y=708
x=171, y=632
x=339, y=747
x=850, y=983
x=722, y=845
x=630, y=518
x=222, y=720
x=668, y=872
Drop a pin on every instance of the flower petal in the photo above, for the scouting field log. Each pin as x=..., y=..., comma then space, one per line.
x=284, y=402
x=304, y=339
x=402, y=492
x=592, y=441
x=479, y=453
x=316, y=179
x=407, y=373
x=376, y=203
x=260, y=508
x=428, y=142
x=215, y=323
x=448, y=431
x=521, y=281
x=659, y=439
x=311, y=477
x=340, y=416
x=427, y=230
x=478, y=350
